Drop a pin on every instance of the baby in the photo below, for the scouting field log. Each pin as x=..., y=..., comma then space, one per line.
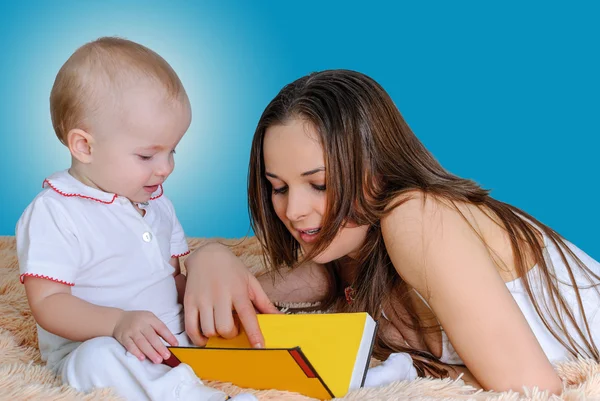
x=99, y=246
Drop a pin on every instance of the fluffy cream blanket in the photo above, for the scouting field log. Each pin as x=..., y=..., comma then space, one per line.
x=23, y=376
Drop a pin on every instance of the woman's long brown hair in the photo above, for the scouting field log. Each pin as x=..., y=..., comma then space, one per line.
x=373, y=161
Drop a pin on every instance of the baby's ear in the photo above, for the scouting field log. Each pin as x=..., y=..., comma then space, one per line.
x=80, y=144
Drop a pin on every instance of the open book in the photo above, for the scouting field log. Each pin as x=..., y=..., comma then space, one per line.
x=318, y=355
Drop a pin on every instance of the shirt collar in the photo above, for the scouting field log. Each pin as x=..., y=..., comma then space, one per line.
x=66, y=185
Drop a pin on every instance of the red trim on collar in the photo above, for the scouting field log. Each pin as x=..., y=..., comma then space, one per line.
x=22, y=278
x=92, y=198
x=180, y=255
x=160, y=194
x=79, y=195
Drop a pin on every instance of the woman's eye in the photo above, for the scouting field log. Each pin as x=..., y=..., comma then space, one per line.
x=319, y=188
x=281, y=190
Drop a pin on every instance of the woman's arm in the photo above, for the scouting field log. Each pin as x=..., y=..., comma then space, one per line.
x=435, y=250
x=219, y=284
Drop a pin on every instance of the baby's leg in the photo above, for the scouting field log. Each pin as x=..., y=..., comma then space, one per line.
x=104, y=362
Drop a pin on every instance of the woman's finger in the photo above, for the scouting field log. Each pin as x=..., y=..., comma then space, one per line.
x=207, y=321
x=247, y=315
x=260, y=299
x=192, y=326
x=224, y=322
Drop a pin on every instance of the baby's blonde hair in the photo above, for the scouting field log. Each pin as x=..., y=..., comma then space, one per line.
x=104, y=66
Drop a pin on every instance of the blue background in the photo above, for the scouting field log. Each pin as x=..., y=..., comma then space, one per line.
x=504, y=93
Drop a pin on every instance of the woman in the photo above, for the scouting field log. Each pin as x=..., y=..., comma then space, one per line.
x=338, y=181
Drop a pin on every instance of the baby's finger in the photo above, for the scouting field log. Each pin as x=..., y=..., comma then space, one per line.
x=143, y=344
x=130, y=346
x=154, y=339
x=162, y=330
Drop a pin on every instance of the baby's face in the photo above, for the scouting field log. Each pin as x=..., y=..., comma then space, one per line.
x=133, y=152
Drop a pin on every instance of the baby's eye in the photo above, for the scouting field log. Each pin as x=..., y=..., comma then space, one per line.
x=143, y=157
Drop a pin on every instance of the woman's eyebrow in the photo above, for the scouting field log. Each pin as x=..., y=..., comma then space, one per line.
x=306, y=173
x=311, y=172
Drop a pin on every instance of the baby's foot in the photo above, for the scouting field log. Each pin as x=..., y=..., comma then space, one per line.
x=397, y=367
x=243, y=397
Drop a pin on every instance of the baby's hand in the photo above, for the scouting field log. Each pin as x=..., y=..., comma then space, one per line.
x=140, y=332
x=397, y=367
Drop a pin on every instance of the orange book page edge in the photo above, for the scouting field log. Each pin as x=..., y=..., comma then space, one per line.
x=296, y=353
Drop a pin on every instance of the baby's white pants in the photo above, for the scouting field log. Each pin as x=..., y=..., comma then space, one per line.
x=104, y=362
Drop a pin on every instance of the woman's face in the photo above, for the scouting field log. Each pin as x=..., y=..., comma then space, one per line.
x=295, y=167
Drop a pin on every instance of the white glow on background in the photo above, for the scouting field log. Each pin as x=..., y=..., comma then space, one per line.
x=204, y=47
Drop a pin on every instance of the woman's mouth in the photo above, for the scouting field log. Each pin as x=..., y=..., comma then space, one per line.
x=309, y=235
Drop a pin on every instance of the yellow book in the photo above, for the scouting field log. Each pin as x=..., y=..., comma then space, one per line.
x=318, y=355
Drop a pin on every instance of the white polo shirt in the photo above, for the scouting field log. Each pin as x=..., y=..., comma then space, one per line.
x=101, y=246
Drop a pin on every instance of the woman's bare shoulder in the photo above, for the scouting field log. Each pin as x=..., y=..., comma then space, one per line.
x=414, y=208
x=424, y=227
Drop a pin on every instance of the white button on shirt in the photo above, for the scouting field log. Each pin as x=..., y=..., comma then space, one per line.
x=101, y=245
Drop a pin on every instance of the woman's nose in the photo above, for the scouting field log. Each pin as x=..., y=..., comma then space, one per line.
x=298, y=206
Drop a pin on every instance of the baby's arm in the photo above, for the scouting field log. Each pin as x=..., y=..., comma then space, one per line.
x=179, y=247
x=180, y=279
x=57, y=311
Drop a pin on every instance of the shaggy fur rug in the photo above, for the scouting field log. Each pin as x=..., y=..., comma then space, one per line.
x=24, y=377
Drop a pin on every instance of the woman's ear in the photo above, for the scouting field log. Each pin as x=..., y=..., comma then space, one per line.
x=80, y=145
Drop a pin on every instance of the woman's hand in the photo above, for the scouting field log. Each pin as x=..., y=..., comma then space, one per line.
x=218, y=284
